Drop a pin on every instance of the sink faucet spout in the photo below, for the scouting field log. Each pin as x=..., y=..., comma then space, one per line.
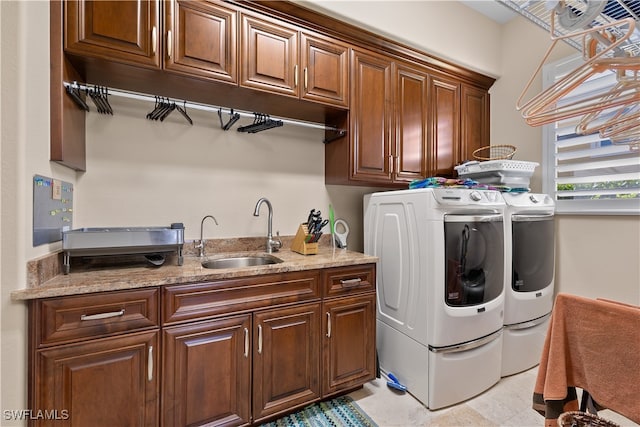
x=200, y=245
x=272, y=245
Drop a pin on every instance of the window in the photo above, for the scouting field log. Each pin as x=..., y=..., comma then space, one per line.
x=587, y=174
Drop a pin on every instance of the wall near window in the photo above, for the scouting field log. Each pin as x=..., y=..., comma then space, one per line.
x=596, y=256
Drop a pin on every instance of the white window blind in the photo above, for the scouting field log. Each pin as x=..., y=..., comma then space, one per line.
x=587, y=174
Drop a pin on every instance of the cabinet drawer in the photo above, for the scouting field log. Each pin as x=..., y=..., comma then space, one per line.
x=72, y=318
x=202, y=300
x=347, y=280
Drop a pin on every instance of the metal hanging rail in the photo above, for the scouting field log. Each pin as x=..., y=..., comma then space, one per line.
x=76, y=89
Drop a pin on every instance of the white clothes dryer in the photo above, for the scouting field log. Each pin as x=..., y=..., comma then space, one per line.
x=530, y=227
x=440, y=289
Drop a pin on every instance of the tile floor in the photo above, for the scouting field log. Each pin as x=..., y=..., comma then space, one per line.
x=508, y=403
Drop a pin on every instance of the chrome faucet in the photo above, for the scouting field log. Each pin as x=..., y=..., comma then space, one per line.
x=200, y=246
x=272, y=245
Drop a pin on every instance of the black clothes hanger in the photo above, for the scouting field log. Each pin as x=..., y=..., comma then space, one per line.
x=260, y=122
x=234, y=117
x=75, y=94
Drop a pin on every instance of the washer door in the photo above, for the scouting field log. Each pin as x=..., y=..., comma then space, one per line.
x=533, y=252
x=474, y=258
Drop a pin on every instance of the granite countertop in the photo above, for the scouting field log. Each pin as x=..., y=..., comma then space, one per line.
x=100, y=279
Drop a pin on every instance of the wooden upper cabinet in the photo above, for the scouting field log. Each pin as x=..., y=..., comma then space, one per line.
x=445, y=125
x=371, y=117
x=126, y=31
x=269, y=56
x=201, y=39
x=325, y=70
x=283, y=59
x=474, y=121
x=411, y=131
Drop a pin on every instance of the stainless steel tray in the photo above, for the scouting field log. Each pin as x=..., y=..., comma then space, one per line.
x=121, y=241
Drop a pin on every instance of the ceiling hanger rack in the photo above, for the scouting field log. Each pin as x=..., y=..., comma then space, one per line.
x=76, y=91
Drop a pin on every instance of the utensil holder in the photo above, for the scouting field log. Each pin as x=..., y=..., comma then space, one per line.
x=299, y=244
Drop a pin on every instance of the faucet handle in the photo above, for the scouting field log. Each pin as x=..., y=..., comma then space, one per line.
x=276, y=243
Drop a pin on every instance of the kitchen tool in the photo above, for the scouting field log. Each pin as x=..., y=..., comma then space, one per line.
x=341, y=237
x=303, y=242
x=122, y=241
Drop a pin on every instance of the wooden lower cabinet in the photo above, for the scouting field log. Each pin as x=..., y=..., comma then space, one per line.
x=105, y=382
x=235, y=352
x=349, y=343
x=286, y=359
x=207, y=373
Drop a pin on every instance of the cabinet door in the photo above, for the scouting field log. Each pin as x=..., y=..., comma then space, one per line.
x=286, y=366
x=125, y=31
x=201, y=39
x=411, y=141
x=269, y=56
x=371, y=117
x=475, y=121
x=107, y=382
x=445, y=126
x=207, y=373
x=325, y=70
x=349, y=348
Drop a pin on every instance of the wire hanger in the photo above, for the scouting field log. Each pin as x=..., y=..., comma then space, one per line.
x=543, y=108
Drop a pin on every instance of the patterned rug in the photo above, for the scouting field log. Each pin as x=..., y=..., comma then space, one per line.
x=339, y=412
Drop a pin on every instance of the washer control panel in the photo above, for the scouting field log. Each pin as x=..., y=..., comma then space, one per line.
x=464, y=196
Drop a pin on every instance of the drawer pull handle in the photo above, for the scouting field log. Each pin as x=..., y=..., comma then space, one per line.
x=169, y=43
x=150, y=364
x=102, y=315
x=348, y=283
x=295, y=75
x=259, y=339
x=246, y=342
x=328, y=325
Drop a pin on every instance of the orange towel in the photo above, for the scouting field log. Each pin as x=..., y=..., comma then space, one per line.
x=593, y=345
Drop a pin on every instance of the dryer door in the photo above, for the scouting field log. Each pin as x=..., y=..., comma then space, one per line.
x=474, y=257
x=533, y=252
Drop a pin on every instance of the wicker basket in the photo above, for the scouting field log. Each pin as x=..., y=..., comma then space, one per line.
x=583, y=419
x=494, y=152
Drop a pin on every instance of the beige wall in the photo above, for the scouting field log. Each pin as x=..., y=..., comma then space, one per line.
x=142, y=172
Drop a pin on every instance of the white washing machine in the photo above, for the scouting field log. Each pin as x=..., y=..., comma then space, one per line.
x=530, y=227
x=440, y=287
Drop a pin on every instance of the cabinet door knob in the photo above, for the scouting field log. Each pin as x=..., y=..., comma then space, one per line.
x=259, y=339
x=295, y=75
x=169, y=44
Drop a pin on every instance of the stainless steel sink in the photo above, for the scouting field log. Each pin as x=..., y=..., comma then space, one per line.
x=241, y=261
